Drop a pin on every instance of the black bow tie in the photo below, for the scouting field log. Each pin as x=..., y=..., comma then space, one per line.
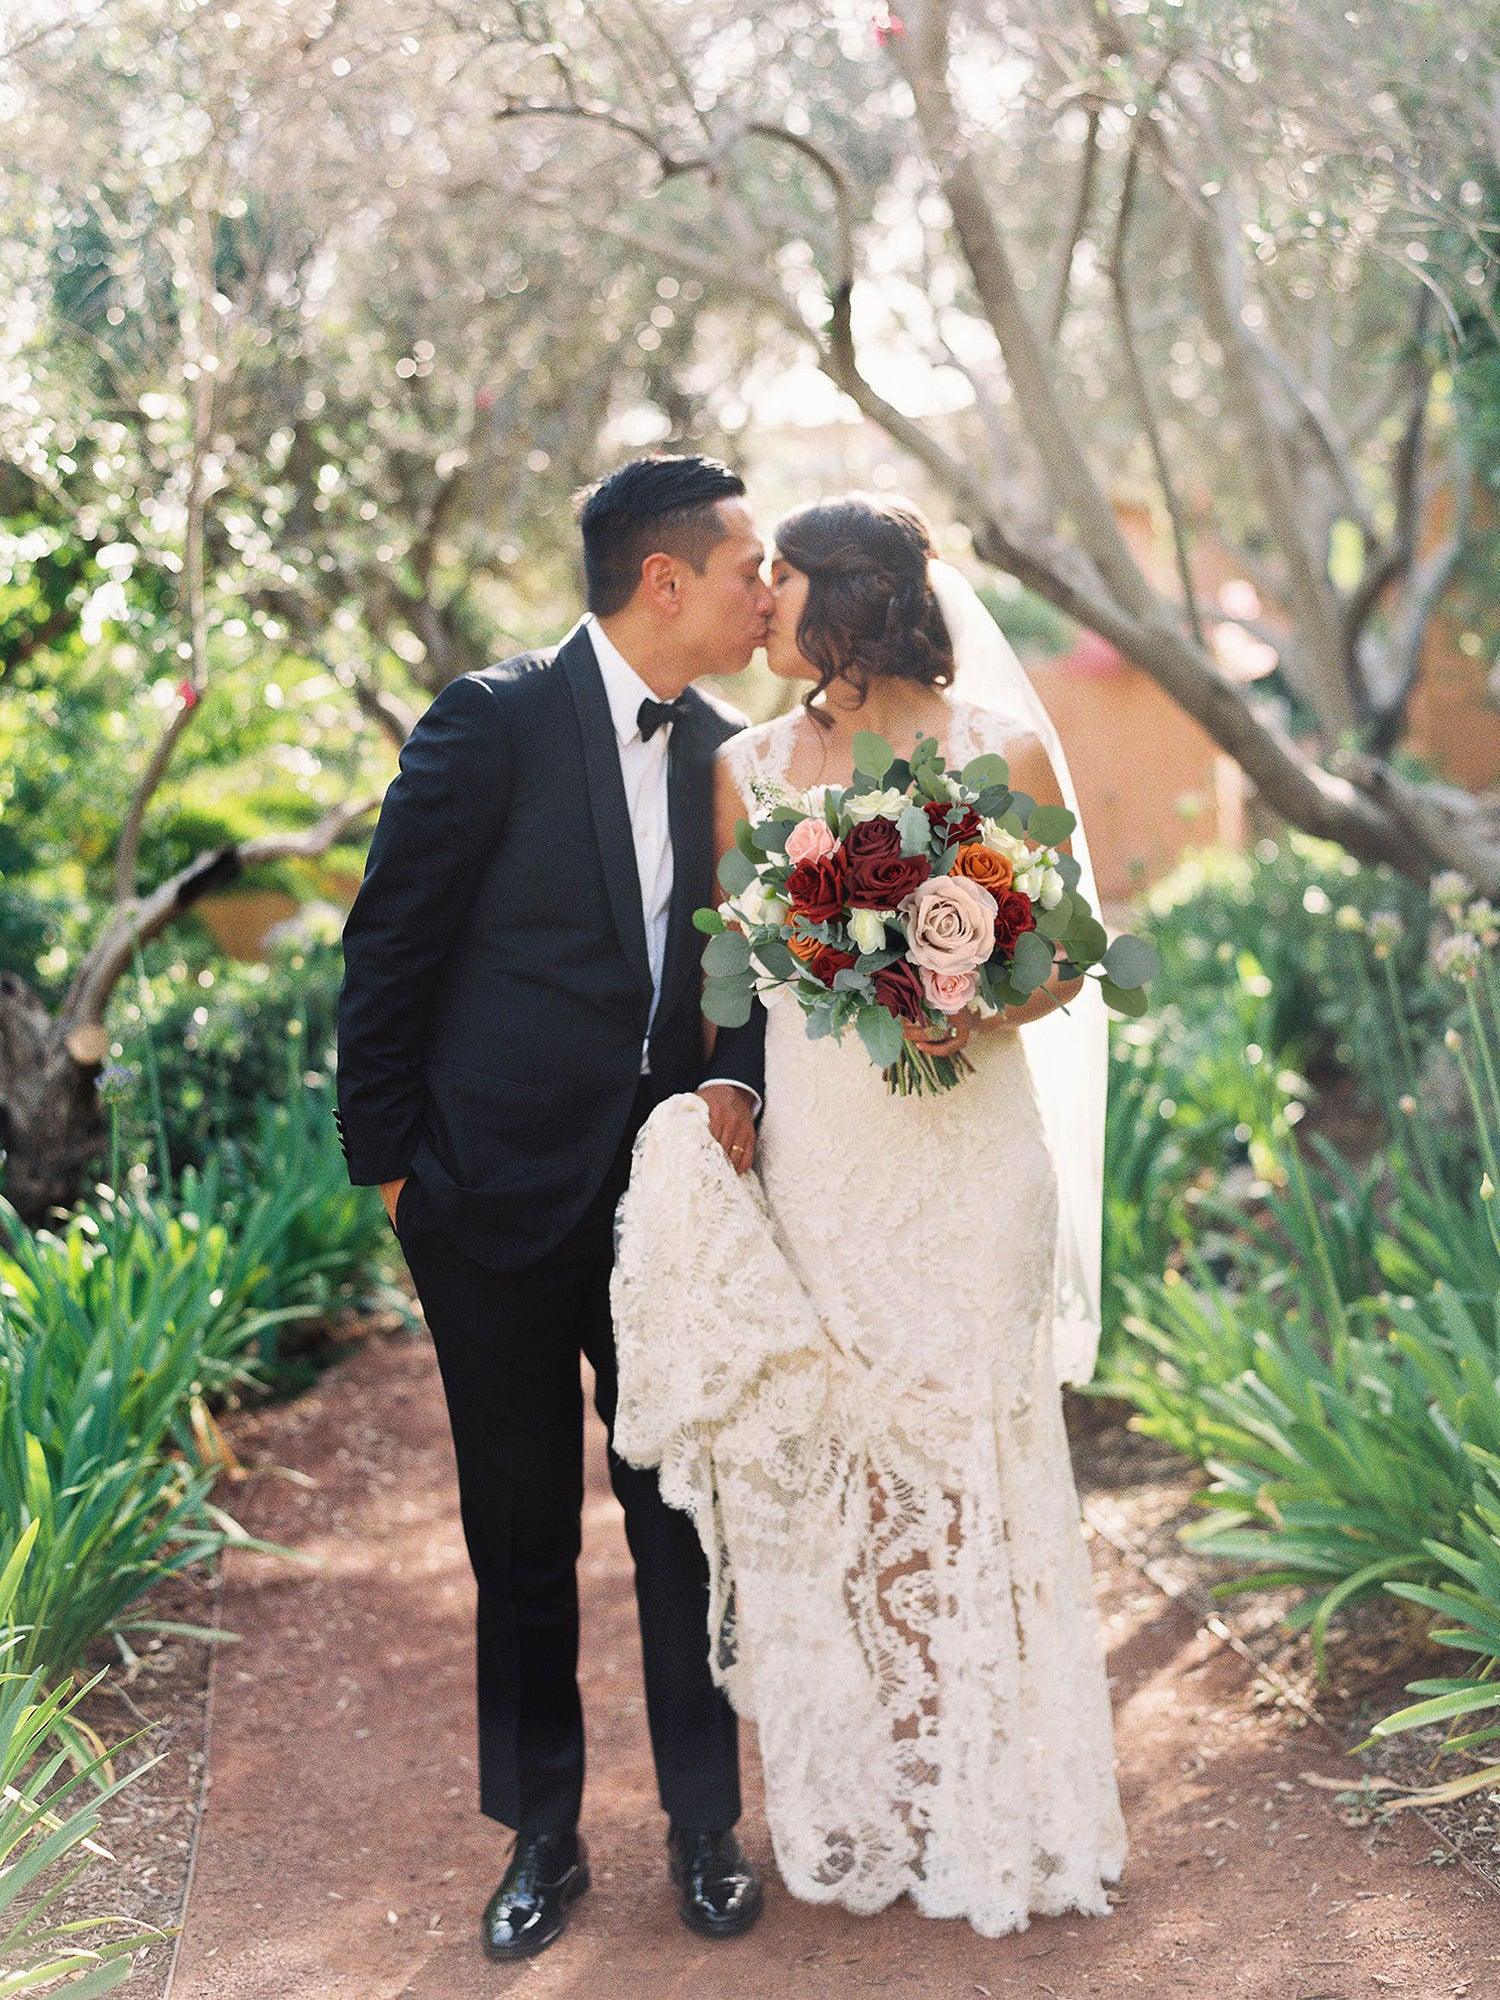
x=654, y=715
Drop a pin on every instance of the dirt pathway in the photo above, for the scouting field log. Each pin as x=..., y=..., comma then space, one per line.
x=341, y=1854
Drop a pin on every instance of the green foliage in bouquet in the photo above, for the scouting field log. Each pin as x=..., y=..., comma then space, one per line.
x=820, y=903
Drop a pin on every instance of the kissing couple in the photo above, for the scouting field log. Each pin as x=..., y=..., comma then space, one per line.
x=827, y=1325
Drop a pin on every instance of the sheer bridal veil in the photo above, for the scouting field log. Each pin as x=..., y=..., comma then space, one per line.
x=1068, y=1052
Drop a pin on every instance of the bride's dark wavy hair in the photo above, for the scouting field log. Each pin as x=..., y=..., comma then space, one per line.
x=870, y=613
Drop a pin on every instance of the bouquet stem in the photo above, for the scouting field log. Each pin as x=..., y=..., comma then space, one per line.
x=914, y=1073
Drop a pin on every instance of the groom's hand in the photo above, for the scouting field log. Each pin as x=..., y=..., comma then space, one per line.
x=390, y=1194
x=731, y=1119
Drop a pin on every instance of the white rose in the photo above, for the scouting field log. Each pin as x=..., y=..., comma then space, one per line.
x=867, y=931
x=752, y=904
x=875, y=805
x=1051, y=889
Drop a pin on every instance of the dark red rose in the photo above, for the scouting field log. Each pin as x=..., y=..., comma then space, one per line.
x=872, y=840
x=899, y=991
x=1013, y=915
x=965, y=827
x=878, y=874
x=816, y=889
x=880, y=885
x=830, y=961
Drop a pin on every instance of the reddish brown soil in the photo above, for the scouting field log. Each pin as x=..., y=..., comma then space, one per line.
x=341, y=1854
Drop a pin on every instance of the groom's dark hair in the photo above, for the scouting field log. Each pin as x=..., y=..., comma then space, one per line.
x=661, y=505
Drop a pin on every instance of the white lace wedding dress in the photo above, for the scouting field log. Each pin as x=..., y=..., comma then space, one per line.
x=842, y=1366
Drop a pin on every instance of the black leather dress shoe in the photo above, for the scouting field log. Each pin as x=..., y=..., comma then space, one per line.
x=530, y=1908
x=721, y=1894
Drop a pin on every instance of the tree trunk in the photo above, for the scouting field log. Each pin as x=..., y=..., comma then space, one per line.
x=52, y=1126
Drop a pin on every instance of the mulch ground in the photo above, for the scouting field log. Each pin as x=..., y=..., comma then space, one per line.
x=341, y=1854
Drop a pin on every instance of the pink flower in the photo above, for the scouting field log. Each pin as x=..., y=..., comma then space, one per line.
x=809, y=840
x=949, y=992
x=950, y=924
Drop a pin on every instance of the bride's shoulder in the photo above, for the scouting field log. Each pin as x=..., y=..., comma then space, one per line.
x=1006, y=735
x=748, y=747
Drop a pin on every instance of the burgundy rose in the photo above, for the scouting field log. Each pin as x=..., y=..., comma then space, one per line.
x=1013, y=914
x=899, y=991
x=872, y=840
x=878, y=873
x=816, y=889
x=880, y=884
x=830, y=961
x=965, y=827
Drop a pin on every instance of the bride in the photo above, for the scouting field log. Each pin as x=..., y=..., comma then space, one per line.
x=846, y=1363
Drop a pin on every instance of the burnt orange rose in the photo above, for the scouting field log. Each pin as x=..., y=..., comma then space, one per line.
x=983, y=865
x=803, y=947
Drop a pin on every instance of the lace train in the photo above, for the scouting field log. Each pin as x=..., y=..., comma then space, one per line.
x=842, y=1365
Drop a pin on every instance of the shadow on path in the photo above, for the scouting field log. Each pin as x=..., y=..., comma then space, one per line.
x=342, y=1854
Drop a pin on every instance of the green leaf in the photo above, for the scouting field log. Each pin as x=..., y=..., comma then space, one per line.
x=1127, y=1000
x=872, y=754
x=1050, y=824
x=736, y=872
x=1132, y=961
x=982, y=771
x=993, y=802
x=880, y=1032
x=1054, y=923
x=745, y=841
x=727, y=955
x=1087, y=940
x=708, y=921
x=915, y=829
x=776, y=959
x=1031, y=961
x=726, y=1002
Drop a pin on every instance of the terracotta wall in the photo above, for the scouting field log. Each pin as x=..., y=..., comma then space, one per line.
x=1150, y=782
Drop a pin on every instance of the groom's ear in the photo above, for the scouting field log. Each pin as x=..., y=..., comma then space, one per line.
x=660, y=584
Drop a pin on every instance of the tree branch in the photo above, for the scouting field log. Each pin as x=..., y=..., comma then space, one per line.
x=135, y=923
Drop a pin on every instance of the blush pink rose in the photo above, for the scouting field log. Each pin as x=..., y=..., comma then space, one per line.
x=809, y=840
x=950, y=924
x=949, y=992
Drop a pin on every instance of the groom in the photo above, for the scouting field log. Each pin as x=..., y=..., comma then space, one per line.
x=520, y=990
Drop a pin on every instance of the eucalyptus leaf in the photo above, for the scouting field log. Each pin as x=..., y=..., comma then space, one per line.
x=1088, y=940
x=993, y=802
x=987, y=770
x=1054, y=923
x=880, y=1032
x=851, y=980
x=1070, y=868
x=726, y=1002
x=709, y=922
x=872, y=753
x=736, y=872
x=776, y=959
x=1031, y=961
x=1131, y=961
x=915, y=829
x=1127, y=1000
x=819, y=1023
x=727, y=955
x=1050, y=824
x=1023, y=805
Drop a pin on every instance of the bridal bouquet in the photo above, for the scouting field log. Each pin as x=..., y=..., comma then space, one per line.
x=905, y=897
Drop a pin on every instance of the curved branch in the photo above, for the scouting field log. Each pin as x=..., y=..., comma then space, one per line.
x=135, y=922
x=1139, y=387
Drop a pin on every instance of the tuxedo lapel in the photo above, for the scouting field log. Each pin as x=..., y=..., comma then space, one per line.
x=606, y=798
x=690, y=821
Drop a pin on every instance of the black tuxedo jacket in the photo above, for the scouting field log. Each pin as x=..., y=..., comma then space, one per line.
x=496, y=987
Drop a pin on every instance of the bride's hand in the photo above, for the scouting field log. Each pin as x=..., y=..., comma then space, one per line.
x=934, y=1042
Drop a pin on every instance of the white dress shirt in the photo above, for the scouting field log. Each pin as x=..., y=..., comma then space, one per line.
x=643, y=766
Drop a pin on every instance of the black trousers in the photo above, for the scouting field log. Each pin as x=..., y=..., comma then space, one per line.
x=508, y=1348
